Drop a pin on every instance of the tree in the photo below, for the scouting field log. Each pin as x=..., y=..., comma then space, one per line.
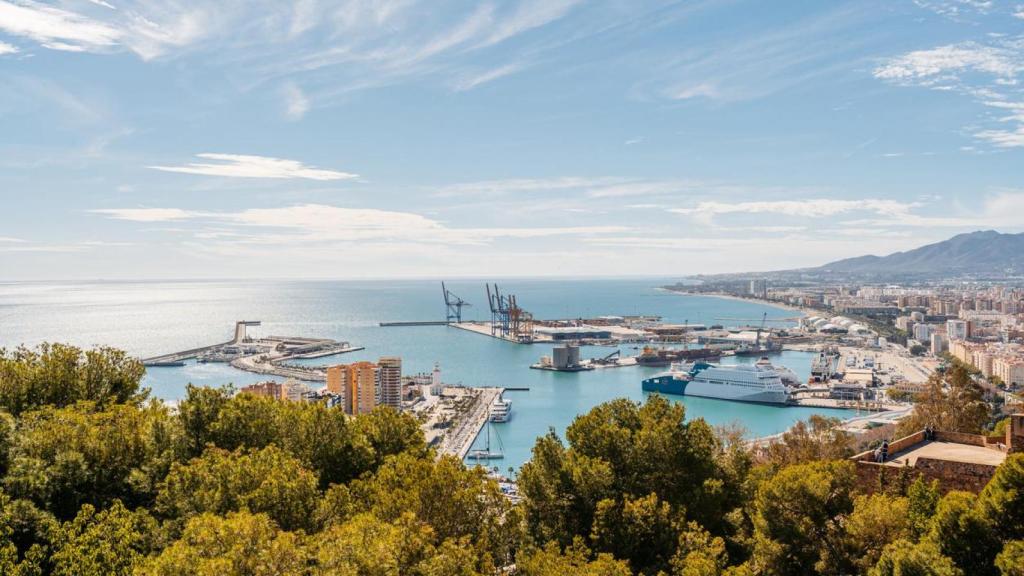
x=819, y=438
x=369, y=546
x=454, y=501
x=60, y=375
x=922, y=499
x=390, y=432
x=903, y=558
x=61, y=458
x=1002, y=501
x=962, y=534
x=952, y=402
x=198, y=413
x=242, y=544
x=576, y=560
x=623, y=449
x=643, y=531
x=877, y=520
x=1011, y=560
x=561, y=490
x=268, y=481
x=699, y=553
x=26, y=537
x=112, y=542
x=796, y=516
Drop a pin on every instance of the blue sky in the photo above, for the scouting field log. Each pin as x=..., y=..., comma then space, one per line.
x=359, y=138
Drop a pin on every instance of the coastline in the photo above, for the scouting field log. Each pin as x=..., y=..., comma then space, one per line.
x=725, y=296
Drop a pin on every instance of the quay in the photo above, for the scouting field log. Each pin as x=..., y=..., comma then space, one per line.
x=422, y=323
x=267, y=355
x=468, y=421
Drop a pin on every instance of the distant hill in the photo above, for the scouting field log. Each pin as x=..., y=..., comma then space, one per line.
x=976, y=253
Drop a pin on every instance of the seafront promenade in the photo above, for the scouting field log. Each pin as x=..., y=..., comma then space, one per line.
x=469, y=423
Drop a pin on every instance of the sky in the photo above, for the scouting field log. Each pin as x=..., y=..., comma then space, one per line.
x=148, y=139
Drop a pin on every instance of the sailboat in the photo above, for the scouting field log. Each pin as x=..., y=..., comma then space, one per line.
x=486, y=453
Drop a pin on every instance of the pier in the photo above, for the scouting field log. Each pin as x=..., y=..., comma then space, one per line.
x=268, y=355
x=414, y=323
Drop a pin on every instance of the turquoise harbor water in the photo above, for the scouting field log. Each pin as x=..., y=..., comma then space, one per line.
x=148, y=318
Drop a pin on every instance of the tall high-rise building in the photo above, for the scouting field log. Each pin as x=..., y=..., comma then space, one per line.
x=759, y=288
x=391, y=381
x=337, y=379
x=956, y=329
x=357, y=385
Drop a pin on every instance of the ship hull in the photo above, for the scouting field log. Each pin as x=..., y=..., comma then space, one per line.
x=683, y=387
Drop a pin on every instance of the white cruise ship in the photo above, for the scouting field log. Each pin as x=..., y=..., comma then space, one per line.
x=743, y=383
x=501, y=410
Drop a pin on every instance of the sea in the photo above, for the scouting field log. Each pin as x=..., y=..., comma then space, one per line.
x=151, y=318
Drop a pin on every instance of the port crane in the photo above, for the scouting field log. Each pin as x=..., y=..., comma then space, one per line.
x=508, y=319
x=453, y=304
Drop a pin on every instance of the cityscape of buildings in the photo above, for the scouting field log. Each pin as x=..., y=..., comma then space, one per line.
x=358, y=387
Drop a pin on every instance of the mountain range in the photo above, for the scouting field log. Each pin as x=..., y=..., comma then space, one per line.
x=982, y=253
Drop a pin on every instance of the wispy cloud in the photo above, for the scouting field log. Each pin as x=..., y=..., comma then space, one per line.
x=316, y=224
x=592, y=187
x=956, y=9
x=808, y=208
x=147, y=214
x=732, y=69
x=6, y=48
x=989, y=73
x=296, y=104
x=244, y=166
x=473, y=80
x=55, y=28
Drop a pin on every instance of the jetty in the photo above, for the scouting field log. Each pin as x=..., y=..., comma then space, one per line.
x=267, y=355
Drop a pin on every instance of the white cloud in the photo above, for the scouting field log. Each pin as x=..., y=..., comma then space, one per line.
x=10, y=240
x=989, y=74
x=6, y=48
x=956, y=9
x=518, y=185
x=55, y=28
x=809, y=208
x=598, y=187
x=245, y=166
x=314, y=224
x=296, y=104
x=1019, y=13
x=939, y=63
x=146, y=214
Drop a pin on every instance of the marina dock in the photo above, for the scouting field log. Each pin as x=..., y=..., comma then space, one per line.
x=467, y=426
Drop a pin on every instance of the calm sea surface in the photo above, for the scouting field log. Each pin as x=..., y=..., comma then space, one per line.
x=149, y=318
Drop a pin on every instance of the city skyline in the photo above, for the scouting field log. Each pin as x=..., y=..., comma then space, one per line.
x=558, y=138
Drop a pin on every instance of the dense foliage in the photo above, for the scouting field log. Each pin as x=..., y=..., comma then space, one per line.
x=96, y=479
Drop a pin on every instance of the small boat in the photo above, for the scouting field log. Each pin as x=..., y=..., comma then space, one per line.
x=487, y=453
x=501, y=410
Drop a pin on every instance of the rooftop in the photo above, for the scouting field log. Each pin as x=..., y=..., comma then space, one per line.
x=950, y=451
